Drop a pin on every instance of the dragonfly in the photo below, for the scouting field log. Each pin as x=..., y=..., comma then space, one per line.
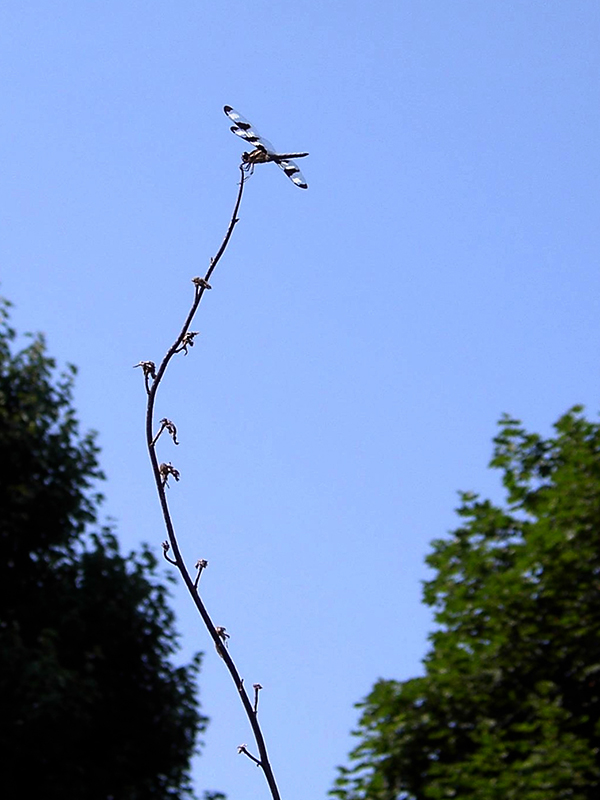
x=263, y=150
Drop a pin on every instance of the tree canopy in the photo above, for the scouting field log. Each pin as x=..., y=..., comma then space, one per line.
x=509, y=706
x=91, y=703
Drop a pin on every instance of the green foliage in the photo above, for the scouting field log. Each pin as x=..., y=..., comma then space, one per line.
x=509, y=706
x=91, y=705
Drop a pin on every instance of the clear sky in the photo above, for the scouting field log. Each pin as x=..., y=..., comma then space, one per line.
x=362, y=337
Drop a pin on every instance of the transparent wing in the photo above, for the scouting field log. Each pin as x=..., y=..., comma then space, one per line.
x=241, y=127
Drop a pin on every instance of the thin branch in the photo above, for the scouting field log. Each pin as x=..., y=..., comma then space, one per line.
x=166, y=547
x=161, y=473
x=257, y=687
x=201, y=564
x=242, y=748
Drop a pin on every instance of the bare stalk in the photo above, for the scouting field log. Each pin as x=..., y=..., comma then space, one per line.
x=162, y=472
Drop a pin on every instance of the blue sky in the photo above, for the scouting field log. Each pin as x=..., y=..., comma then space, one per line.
x=361, y=339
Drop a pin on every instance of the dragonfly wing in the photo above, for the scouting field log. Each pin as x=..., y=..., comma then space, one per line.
x=241, y=127
x=292, y=170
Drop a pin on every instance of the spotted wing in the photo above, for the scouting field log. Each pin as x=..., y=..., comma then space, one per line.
x=241, y=127
x=292, y=170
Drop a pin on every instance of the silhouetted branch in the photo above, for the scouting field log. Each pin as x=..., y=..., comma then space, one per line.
x=163, y=471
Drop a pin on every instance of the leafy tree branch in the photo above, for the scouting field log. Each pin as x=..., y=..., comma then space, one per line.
x=509, y=706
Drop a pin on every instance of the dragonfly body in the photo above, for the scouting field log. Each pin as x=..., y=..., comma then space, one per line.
x=263, y=149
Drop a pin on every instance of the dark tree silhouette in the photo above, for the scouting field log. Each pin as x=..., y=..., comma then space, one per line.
x=91, y=704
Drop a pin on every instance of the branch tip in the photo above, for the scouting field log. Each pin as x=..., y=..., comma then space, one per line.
x=165, y=470
x=200, y=565
x=202, y=283
x=222, y=634
x=257, y=687
x=166, y=424
x=166, y=547
x=187, y=340
x=149, y=369
x=242, y=748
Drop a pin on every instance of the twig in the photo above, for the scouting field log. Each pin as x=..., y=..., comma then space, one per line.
x=166, y=547
x=153, y=378
x=201, y=564
x=257, y=687
x=242, y=748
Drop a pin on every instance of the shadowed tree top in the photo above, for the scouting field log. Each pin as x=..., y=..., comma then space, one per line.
x=509, y=706
x=92, y=704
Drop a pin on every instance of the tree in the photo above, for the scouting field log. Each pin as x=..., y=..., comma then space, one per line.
x=91, y=705
x=509, y=706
